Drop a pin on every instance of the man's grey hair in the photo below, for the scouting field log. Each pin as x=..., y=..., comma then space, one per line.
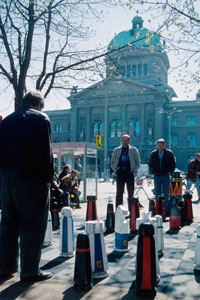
x=33, y=98
x=126, y=136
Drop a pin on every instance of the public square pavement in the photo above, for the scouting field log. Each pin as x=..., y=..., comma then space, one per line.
x=178, y=280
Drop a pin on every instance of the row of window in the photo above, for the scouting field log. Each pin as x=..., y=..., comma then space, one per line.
x=134, y=128
x=134, y=70
x=129, y=70
x=190, y=141
x=189, y=121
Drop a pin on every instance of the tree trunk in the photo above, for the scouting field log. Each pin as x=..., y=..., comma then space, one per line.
x=19, y=93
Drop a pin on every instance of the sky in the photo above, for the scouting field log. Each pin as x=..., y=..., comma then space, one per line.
x=115, y=20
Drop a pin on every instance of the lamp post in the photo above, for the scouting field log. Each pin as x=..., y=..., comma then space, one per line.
x=169, y=116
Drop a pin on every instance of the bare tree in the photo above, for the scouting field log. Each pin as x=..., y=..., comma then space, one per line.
x=179, y=25
x=39, y=41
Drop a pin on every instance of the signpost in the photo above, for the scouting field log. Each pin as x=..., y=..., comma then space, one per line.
x=98, y=141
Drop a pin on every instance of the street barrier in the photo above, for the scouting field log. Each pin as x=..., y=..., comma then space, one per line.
x=54, y=208
x=159, y=236
x=134, y=213
x=99, y=261
x=152, y=207
x=146, y=278
x=145, y=217
x=160, y=206
x=110, y=218
x=48, y=234
x=91, y=214
x=175, y=215
x=121, y=229
x=66, y=233
x=82, y=269
x=197, y=251
x=187, y=210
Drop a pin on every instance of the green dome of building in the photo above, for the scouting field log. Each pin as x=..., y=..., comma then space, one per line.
x=137, y=36
x=198, y=96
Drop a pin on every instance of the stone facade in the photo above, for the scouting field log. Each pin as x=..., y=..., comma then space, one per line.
x=134, y=98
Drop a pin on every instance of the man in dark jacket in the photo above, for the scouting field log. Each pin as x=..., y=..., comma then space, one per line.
x=26, y=169
x=161, y=164
x=193, y=175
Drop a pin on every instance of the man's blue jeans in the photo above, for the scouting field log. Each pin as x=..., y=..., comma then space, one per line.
x=162, y=185
x=197, y=185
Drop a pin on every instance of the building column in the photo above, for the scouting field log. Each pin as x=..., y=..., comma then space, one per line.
x=123, y=120
x=73, y=127
x=142, y=120
x=158, y=119
x=88, y=124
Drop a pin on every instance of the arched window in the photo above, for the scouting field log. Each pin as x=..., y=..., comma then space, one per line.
x=101, y=129
x=123, y=70
x=134, y=72
x=82, y=131
x=119, y=129
x=174, y=141
x=191, y=141
x=149, y=130
x=95, y=129
x=130, y=128
x=139, y=70
x=137, y=129
x=128, y=71
x=112, y=129
x=58, y=127
x=145, y=69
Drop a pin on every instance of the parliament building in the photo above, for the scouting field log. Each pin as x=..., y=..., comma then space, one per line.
x=134, y=98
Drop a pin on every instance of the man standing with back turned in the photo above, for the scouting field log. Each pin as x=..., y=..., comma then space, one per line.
x=161, y=164
x=125, y=162
x=26, y=169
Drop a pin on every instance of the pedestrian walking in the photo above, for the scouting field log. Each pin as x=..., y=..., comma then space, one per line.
x=193, y=176
x=26, y=170
x=125, y=162
x=161, y=164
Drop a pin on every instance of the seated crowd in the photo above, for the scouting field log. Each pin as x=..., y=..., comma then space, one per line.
x=64, y=188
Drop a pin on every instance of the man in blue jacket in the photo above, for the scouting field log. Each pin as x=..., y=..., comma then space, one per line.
x=162, y=163
x=26, y=170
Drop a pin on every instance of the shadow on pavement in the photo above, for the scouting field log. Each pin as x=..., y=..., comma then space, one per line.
x=55, y=262
x=15, y=290
x=132, y=295
x=71, y=293
x=197, y=275
x=115, y=256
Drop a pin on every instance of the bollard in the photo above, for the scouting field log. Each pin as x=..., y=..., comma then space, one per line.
x=160, y=206
x=91, y=214
x=121, y=229
x=48, y=234
x=197, y=251
x=187, y=210
x=134, y=213
x=175, y=214
x=159, y=236
x=152, y=207
x=82, y=269
x=55, y=216
x=146, y=261
x=99, y=260
x=145, y=217
x=110, y=218
x=66, y=233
